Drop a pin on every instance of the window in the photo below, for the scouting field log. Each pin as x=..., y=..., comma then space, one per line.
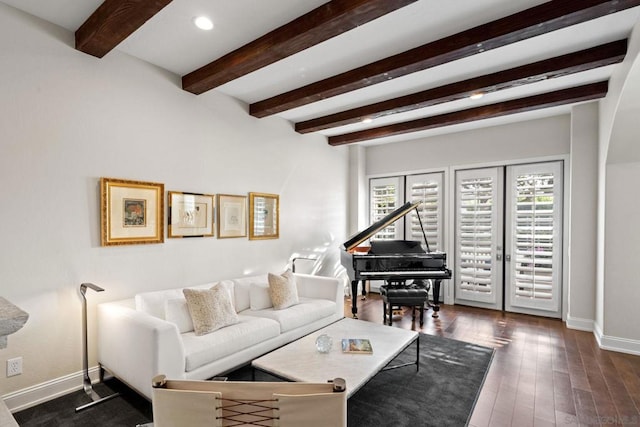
x=426, y=188
x=385, y=196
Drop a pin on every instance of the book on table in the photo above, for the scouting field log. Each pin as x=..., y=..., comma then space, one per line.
x=357, y=346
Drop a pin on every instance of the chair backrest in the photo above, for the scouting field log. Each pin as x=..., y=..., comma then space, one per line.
x=244, y=403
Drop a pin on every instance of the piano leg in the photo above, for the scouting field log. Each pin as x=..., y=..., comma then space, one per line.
x=354, y=298
x=436, y=298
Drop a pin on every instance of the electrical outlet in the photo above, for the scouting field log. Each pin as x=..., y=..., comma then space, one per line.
x=14, y=366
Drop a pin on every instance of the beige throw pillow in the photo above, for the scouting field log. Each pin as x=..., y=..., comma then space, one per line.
x=283, y=290
x=210, y=309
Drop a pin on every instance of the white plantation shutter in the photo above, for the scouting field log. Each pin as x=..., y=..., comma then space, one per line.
x=477, y=193
x=426, y=188
x=536, y=203
x=385, y=196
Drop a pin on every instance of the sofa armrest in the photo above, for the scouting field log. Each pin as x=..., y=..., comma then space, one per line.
x=135, y=346
x=6, y=419
x=330, y=288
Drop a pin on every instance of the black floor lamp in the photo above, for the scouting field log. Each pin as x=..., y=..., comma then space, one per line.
x=88, y=388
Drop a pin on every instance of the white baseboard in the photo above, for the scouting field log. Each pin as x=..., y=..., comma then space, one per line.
x=622, y=345
x=605, y=342
x=43, y=392
x=580, y=324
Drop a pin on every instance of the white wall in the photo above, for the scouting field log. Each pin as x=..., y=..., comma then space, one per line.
x=607, y=116
x=358, y=189
x=583, y=176
x=523, y=140
x=622, y=290
x=67, y=119
x=619, y=160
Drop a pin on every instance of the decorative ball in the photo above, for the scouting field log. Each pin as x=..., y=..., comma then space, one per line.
x=324, y=343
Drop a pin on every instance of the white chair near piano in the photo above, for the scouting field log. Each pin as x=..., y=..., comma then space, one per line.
x=178, y=403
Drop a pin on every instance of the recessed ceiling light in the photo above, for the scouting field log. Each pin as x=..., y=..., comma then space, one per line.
x=203, y=23
x=476, y=95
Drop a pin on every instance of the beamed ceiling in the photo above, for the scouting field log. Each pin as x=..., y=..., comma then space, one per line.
x=407, y=66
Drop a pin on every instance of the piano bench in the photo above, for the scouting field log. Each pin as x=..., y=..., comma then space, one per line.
x=410, y=296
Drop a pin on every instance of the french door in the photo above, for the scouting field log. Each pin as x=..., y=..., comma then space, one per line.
x=509, y=238
x=534, y=236
x=478, y=237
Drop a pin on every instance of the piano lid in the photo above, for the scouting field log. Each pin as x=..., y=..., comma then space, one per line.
x=361, y=236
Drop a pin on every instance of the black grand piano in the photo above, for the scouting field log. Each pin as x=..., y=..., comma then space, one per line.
x=394, y=261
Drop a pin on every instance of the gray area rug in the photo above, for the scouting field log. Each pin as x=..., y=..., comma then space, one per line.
x=442, y=393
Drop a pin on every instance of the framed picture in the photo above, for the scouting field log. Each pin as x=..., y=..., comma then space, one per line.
x=264, y=216
x=232, y=216
x=131, y=212
x=190, y=214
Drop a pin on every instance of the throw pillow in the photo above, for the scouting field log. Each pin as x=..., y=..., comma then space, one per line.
x=259, y=296
x=176, y=311
x=242, y=290
x=210, y=309
x=153, y=302
x=283, y=290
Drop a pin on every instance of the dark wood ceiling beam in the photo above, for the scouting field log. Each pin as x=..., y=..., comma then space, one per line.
x=546, y=100
x=544, y=18
x=599, y=56
x=327, y=21
x=112, y=22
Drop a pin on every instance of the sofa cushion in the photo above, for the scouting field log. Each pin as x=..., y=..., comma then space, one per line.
x=259, y=298
x=153, y=302
x=307, y=311
x=210, y=309
x=282, y=290
x=241, y=290
x=249, y=331
x=176, y=311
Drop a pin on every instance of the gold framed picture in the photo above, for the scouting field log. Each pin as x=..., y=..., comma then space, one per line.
x=131, y=212
x=264, y=216
x=190, y=214
x=232, y=216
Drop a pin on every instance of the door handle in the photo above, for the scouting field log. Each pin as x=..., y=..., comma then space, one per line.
x=498, y=257
x=507, y=257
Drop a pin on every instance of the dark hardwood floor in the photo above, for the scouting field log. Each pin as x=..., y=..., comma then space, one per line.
x=543, y=373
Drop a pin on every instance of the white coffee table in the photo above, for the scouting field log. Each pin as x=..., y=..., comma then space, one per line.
x=300, y=361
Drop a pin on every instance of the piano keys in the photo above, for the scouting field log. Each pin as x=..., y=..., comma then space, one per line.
x=394, y=261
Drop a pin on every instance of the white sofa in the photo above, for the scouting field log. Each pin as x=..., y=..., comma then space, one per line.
x=6, y=419
x=136, y=342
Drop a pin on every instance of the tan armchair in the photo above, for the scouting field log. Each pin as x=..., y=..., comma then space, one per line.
x=238, y=403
